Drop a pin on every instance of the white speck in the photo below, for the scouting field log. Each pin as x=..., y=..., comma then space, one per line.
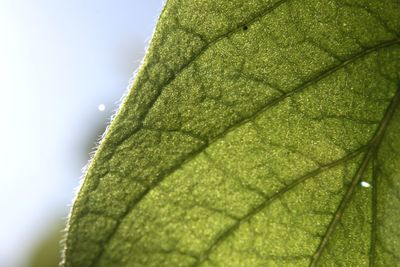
x=101, y=107
x=365, y=184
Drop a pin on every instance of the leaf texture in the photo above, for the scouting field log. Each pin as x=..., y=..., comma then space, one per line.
x=256, y=133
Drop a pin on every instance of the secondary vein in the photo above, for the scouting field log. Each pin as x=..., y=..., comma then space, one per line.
x=229, y=231
x=245, y=120
x=373, y=147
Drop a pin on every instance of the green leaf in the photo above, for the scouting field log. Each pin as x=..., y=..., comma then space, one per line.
x=256, y=133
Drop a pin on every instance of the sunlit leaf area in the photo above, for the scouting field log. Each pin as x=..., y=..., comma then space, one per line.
x=256, y=133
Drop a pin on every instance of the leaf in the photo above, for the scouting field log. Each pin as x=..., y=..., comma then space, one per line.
x=256, y=133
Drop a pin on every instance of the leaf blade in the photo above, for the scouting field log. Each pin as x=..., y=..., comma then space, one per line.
x=179, y=116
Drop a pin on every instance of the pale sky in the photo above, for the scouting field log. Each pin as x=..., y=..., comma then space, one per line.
x=64, y=64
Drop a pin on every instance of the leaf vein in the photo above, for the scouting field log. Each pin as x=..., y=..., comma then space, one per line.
x=229, y=231
x=372, y=149
x=184, y=66
x=243, y=121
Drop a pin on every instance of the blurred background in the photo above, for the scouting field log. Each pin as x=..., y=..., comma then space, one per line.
x=64, y=65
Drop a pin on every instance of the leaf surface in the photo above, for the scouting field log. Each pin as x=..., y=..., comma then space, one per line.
x=256, y=133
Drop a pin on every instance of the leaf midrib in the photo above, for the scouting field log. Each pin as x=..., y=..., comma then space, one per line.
x=372, y=149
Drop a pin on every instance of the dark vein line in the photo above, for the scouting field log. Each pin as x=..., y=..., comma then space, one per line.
x=303, y=86
x=238, y=29
x=374, y=210
x=187, y=64
x=372, y=149
x=243, y=121
x=251, y=21
x=229, y=231
x=339, y=212
x=141, y=196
